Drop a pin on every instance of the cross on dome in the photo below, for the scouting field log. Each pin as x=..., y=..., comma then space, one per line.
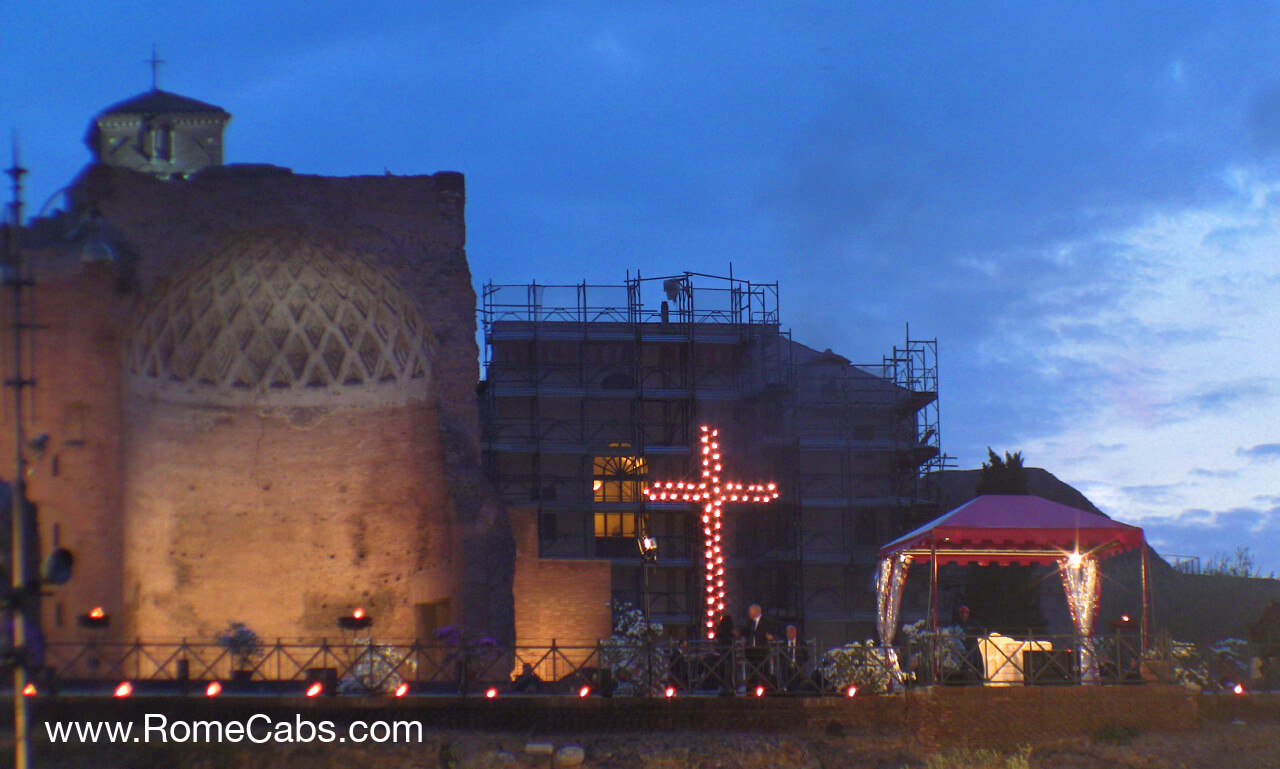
x=155, y=61
x=712, y=493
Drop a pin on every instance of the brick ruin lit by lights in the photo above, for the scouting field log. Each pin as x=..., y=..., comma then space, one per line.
x=711, y=493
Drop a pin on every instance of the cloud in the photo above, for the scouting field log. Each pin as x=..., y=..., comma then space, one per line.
x=1262, y=452
x=1200, y=472
x=1150, y=492
x=1203, y=533
x=1107, y=448
x=1220, y=397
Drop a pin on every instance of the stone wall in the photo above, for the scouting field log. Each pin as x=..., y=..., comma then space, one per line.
x=934, y=719
x=1009, y=716
x=239, y=513
x=283, y=520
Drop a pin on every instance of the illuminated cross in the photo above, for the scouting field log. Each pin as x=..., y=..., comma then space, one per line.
x=711, y=493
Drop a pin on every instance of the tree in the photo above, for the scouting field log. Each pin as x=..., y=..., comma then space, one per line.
x=1005, y=597
x=1002, y=476
x=1242, y=564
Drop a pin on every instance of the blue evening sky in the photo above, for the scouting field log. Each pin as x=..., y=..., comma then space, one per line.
x=1079, y=200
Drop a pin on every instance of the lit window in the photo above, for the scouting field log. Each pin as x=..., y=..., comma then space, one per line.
x=618, y=479
x=615, y=525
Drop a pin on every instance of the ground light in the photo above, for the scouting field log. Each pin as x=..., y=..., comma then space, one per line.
x=584, y=691
x=670, y=692
x=1238, y=689
x=213, y=689
x=29, y=690
x=490, y=693
x=125, y=689
x=402, y=690
x=759, y=691
x=851, y=691
x=315, y=689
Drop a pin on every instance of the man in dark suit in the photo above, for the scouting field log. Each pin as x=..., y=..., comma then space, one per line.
x=758, y=631
x=794, y=656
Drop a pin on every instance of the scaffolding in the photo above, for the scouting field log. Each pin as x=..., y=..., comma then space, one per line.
x=591, y=389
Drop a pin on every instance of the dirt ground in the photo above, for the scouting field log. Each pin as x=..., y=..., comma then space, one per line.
x=1216, y=744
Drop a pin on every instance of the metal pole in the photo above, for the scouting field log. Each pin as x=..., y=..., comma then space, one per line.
x=19, y=512
x=644, y=565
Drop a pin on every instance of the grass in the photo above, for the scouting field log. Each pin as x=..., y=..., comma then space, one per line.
x=966, y=758
x=1115, y=734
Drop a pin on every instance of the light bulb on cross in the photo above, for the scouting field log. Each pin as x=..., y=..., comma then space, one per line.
x=711, y=493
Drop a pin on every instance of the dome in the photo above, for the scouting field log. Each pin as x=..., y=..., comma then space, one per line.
x=271, y=315
x=157, y=102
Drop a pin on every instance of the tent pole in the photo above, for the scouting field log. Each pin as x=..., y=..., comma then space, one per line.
x=933, y=584
x=933, y=604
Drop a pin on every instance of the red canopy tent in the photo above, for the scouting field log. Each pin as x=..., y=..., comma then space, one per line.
x=1003, y=530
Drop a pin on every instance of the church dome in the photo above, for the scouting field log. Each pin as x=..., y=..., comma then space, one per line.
x=281, y=316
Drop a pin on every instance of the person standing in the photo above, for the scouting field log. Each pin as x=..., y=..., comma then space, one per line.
x=795, y=655
x=973, y=667
x=722, y=658
x=759, y=631
x=757, y=635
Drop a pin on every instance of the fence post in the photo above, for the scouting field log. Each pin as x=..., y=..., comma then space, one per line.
x=605, y=678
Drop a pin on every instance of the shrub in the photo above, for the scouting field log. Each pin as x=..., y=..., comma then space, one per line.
x=857, y=664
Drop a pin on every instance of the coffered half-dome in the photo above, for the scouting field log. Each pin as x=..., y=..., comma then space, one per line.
x=282, y=316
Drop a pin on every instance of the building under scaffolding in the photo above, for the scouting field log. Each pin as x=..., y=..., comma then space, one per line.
x=590, y=391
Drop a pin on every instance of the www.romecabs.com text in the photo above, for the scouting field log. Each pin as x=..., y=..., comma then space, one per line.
x=259, y=728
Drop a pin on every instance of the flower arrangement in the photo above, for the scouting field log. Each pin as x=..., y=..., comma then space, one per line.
x=378, y=667
x=470, y=651
x=861, y=664
x=631, y=654
x=241, y=643
x=928, y=650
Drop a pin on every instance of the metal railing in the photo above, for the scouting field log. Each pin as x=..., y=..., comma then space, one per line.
x=611, y=666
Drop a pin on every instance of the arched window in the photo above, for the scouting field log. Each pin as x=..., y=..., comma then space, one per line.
x=162, y=142
x=618, y=479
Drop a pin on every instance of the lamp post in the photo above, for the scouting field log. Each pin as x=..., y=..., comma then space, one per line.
x=648, y=556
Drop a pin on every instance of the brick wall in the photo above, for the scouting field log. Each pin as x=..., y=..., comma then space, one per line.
x=75, y=477
x=926, y=720
x=561, y=600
